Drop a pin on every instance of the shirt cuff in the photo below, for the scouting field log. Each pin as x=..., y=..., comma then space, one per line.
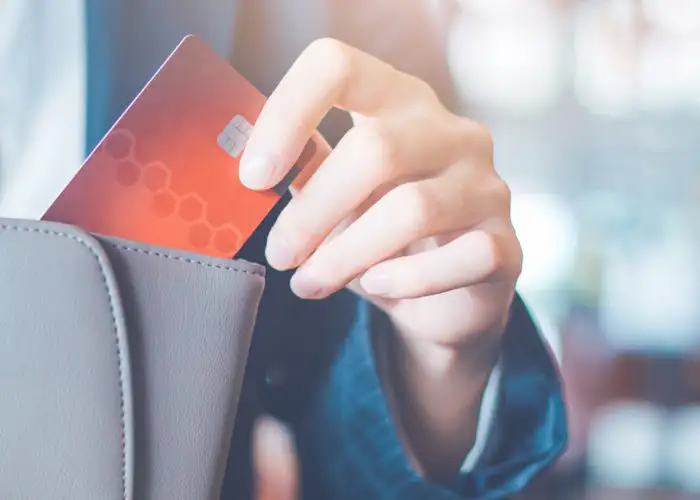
x=380, y=329
x=487, y=414
x=347, y=440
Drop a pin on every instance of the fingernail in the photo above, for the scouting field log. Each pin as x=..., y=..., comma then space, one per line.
x=256, y=171
x=280, y=254
x=304, y=285
x=376, y=283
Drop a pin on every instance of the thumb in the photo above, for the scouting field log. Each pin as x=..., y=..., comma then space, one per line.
x=274, y=461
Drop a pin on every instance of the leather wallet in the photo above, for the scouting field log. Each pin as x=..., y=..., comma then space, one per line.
x=120, y=365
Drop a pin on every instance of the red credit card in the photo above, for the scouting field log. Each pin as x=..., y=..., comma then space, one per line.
x=167, y=171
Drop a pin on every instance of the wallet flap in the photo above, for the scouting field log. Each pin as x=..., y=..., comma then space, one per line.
x=121, y=365
x=66, y=427
x=190, y=319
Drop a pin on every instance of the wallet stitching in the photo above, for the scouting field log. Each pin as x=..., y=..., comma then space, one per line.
x=120, y=354
x=186, y=259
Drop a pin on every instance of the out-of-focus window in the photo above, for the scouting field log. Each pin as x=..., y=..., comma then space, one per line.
x=595, y=110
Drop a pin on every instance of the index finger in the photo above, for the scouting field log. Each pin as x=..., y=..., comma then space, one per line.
x=327, y=74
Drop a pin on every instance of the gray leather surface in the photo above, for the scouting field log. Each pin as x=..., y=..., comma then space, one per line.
x=189, y=320
x=120, y=365
x=66, y=422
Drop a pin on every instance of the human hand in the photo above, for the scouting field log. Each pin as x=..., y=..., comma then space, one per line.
x=407, y=211
x=409, y=201
x=275, y=464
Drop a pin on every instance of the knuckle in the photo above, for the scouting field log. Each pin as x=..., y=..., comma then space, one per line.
x=517, y=267
x=334, y=55
x=501, y=193
x=479, y=139
x=484, y=136
x=418, y=208
x=493, y=258
x=423, y=89
x=502, y=255
x=377, y=141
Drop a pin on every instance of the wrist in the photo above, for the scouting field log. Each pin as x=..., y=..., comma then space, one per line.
x=438, y=369
x=466, y=366
x=436, y=396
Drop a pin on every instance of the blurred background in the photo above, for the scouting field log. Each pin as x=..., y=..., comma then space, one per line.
x=595, y=111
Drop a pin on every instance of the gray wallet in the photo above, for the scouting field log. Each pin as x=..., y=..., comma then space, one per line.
x=120, y=365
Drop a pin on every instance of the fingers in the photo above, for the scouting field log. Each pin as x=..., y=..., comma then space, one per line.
x=274, y=462
x=472, y=258
x=327, y=74
x=367, y=157
x=403, y=216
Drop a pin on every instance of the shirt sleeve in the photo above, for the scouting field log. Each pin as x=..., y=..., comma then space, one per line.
x=487, y=413
x=349, y=447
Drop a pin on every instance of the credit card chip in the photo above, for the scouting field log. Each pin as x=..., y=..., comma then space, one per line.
x=235, y=136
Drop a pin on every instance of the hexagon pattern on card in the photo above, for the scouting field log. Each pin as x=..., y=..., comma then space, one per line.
x=155, y=178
